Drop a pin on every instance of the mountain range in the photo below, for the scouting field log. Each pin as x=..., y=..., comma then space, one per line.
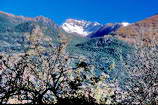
x=112, y=41
x=19, y=34
x=109, y=49
x=91, y=29
x=15, y=30
x=144, y=31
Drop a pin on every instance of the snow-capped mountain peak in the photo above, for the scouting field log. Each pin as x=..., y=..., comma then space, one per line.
x=91, y=29
x=80, y=27
x=125, y=24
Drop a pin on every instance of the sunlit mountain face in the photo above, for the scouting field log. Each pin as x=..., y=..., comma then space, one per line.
x=144, y=31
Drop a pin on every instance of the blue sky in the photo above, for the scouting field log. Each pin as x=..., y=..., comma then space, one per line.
x=103, y=11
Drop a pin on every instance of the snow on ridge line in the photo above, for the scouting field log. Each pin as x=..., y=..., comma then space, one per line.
x=125, y=24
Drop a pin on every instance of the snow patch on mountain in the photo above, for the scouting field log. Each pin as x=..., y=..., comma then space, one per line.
x=125, y=24
x=70, y=28
x=81, y=27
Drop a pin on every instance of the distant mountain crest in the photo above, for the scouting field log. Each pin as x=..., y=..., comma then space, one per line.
x=14, y=16
x=37, y=18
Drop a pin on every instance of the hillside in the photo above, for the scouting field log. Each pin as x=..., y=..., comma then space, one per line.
x=18, y=31
x=145, y=31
